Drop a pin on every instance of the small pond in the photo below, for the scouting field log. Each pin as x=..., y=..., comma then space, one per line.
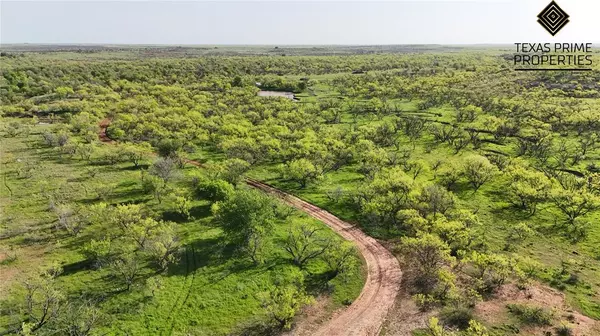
x=284, y=94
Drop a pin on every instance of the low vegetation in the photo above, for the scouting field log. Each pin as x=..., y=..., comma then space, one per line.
x=475, y=176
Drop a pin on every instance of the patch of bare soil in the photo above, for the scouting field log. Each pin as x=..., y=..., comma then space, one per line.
x=494, y=311
x=406, y=317
x=102, y=134
x=311, y=318
x=7, y=273
x=11, y=273
x=7, y=277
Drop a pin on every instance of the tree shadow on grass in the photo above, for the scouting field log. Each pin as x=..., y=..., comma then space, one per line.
x=74, y=267
x=79, y=179
x=510, y=214
x=246, y=266
x=197, y=212
x=199, y=254
x=222, y=258
x=172, y=216
x=318, y=283
x=200, y=211
x=257, y=328
x=133, y=195
x=463, y=189
x=140, y=167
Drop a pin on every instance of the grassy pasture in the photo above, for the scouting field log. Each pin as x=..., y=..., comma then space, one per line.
x=209, y=291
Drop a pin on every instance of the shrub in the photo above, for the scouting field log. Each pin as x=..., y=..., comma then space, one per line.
x=476, y=329
x=98, y=251
x=214, y=190
x=530, y=315
x=50, y=139
x=425, y=302
x=282, y=304
x=458, y=316
x=564, y=330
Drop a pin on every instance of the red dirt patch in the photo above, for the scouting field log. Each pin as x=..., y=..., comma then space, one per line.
x=13, y=272
x=311, y=318
x=406, y=317
x=103, y=127
x=494, y=311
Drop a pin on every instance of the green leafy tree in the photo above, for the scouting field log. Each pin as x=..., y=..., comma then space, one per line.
x=436, y=329
x=455, y=233
x=478, y=170
x=416, y=168
x=340, y=258
x=574, y=203
x=64, y=91
x=527, y=188
x=302, y=171
x=169, y=148
x=492, y=270
x=476, y=329
x=127, y=269
x=80, y=318
x=410, y=221
x=232, y=170
x=413, y=128
x=40, y=302
x=246, y=218
x=181, y=203
x=154, y=186
x=136, y=153
x=518, y=234
x=282, y=303
x=163, y=246
x=426, y=254
x=99, y=251
x=388, y=193
x=435, y=199
x=304, y=244
x=85, y=151
x=450, y=175
x=214, y=189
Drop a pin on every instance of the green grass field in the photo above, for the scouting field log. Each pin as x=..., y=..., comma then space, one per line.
x=209, y=291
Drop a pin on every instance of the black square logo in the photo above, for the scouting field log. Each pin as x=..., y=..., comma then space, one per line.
x=553, y=18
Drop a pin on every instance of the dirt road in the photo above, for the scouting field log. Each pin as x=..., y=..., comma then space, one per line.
x=366, y=314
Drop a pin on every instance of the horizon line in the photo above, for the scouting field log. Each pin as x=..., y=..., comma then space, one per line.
x=268, y=44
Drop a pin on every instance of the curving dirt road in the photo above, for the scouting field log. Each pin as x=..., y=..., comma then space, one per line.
x=365, y=316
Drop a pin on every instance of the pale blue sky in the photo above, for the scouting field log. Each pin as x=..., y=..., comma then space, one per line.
x=292, y=22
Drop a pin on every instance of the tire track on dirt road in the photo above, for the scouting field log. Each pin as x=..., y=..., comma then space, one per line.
x=366, y=315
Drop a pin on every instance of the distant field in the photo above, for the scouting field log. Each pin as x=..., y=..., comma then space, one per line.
x=483, y=182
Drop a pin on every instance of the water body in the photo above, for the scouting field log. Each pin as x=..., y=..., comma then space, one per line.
x=284, y=94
